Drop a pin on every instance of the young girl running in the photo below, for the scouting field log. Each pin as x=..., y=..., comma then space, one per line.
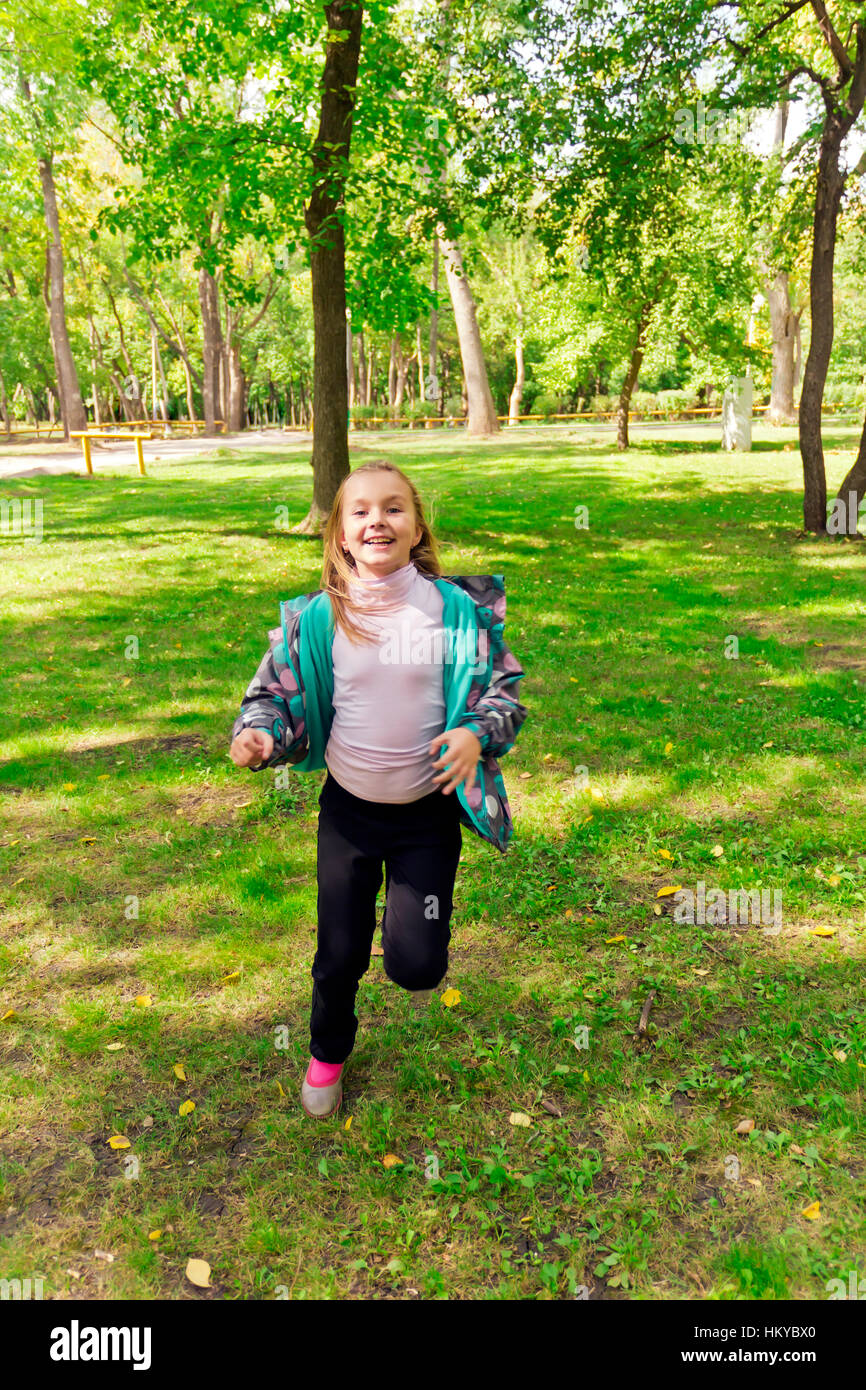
x=397, y=680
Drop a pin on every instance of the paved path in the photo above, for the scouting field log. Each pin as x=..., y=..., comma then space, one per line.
x=32, y=463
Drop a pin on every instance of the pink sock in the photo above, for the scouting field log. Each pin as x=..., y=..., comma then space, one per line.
x=324, y=1073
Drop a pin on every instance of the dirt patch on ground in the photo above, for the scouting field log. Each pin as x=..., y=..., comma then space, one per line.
x=728, y=1021
x=94, y=746
x=839, y=656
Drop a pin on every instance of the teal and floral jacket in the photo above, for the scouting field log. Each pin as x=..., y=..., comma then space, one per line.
x=291, y=694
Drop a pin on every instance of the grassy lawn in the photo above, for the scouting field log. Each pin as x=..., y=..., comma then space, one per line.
x=138, y=864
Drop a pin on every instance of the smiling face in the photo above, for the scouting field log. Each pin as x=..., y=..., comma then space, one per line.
x=378, y=507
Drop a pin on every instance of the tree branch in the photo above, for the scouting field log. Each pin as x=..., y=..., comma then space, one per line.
x=141, y=299
x=835, y=44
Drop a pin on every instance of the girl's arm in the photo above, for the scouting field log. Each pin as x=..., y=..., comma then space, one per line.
x=498, y=714
x=266, y=705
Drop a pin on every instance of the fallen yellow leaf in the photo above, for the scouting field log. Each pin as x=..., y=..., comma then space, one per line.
x=348, y=1123
x=115, y=1047
x=198, y=1273
x=700, y=972
x=179, y=1071
x=611, y=939
x=668, y=748
x=834, y=880
x=9, y=1016
x=450, y=998
x=119, y=1141
x=586, y=1076
x=68, y=787
x=518, y=1118
x=665, y=892
x=88, y=839
x=822, y=931
x=103, y=776
x=665, y=854
x=227, y=979
x=840, y=1055
x=281, y=1091
x=186, y=1107
x=768, y=745
x=154, y=1235
x=143, y=1001
x=391, y=1160
x=718, y=851
x=812, y=1212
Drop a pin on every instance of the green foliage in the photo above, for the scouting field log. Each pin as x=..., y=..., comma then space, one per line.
x=546, y=405
x=420, y=410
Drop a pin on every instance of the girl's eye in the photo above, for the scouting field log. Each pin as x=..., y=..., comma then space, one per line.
x=358, y=510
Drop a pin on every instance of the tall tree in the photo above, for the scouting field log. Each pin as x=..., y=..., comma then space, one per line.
x=330, y=155
x=35, y=56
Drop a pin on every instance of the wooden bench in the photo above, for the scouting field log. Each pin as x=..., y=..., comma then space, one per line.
x=87, y=436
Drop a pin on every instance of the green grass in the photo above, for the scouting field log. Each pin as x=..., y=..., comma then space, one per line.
x=118, y=797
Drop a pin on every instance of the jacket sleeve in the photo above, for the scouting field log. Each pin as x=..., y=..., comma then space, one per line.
x=266, y=705
x=498, y=714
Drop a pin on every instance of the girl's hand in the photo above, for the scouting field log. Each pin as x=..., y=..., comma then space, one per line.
x=251, y=747
x=464, y=750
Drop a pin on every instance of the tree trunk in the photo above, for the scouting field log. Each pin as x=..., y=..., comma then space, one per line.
x=350, y=360
x=371, y=376
x=783, y=324
x=631, y=377
x=400, y=379
x=434, y=391
x=190, y=399
x=211, y=350
x=515, y=400
x=419, y=357
x=237, y=388
x=225, y=389
x=4, y=408
x=362, y=369
x=157, y=367
x=854, y=481
x=392, y=372
x=830, y=183
x=330, y=460
x=71, y=404
x=482, y=411
x=94, y=357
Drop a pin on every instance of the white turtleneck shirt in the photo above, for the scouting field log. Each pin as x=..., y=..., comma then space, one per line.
x=388, y=697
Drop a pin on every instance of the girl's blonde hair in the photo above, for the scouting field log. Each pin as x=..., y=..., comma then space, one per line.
x=338, y=566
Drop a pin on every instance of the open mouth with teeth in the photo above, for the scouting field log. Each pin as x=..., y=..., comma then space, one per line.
x=381, y=542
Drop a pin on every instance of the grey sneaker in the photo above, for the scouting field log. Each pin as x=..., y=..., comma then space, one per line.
x=421, y=997
x=321, y=1101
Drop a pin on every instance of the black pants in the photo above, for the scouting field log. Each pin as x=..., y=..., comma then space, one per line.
x=420, y=843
